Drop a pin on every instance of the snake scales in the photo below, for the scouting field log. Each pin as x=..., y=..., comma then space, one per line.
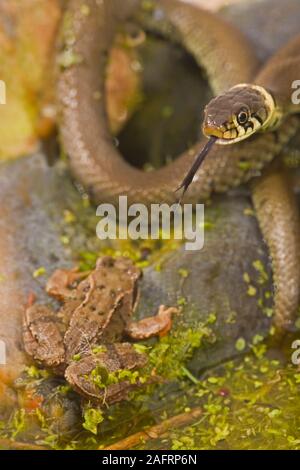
x=228, y=59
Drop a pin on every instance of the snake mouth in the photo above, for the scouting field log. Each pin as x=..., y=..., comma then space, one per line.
x=218, y=135
x=221, y=141
x=234, y=140
x=211, y=131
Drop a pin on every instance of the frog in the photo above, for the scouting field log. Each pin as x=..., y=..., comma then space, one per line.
x=87, y=340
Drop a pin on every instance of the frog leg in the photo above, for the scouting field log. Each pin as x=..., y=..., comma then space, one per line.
x=42, y=337
x=157, y=325
x=63, y=282
x=278, y=215
x=89, y=375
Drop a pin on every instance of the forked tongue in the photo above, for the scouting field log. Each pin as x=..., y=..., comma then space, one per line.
x=195, y=167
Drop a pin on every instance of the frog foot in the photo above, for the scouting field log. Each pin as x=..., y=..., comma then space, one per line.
x=157, y=325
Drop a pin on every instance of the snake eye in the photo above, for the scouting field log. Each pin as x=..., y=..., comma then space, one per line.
x=242, y=117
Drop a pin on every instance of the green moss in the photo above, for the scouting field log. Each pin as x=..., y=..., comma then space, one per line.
x=181, y=301
x=99, y=349
x=140, y=348
x=257, y=339
x=41, y=418
x=76, y=357
x=263, y=275
x=189, y=375
x=64, y=389
x=69, y=217
x=240, y=344
x=212, y=318
x=172, y=352
x=17, y=422
x=231, y=318
x=39, y=272
x=269, y=312
x=208, y=225
x=34, y=372
x=92, y=418
x=245, y=166
x=65, y=240
x=183, y=273
x=245, y=417
x=252, y=291
x=102, y=378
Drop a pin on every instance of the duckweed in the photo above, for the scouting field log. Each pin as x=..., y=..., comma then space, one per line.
x=39, y=272
x=92, y=418
x=240, y=344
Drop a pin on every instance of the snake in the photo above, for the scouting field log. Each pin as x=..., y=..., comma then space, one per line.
x=251, y=118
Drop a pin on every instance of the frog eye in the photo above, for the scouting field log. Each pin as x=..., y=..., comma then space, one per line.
x=242, y=117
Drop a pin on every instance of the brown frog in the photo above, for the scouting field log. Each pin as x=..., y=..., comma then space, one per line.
x=82, y=339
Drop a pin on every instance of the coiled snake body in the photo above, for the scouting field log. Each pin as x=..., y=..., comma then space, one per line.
x=228, y=60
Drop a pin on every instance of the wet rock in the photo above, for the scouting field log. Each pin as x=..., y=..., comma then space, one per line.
x=228, y=279
x=29, y=238
x=33, y=199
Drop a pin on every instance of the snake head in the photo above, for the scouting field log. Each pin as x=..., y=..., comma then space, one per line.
x=234, y=116
x=238, y=113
